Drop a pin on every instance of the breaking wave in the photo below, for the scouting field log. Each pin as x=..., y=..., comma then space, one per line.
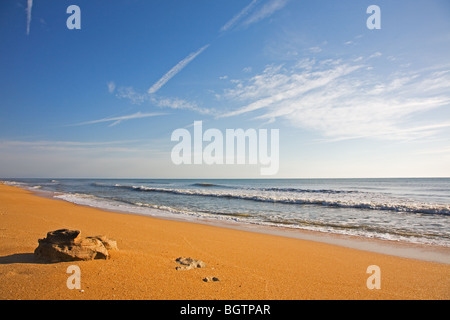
x=284, y=198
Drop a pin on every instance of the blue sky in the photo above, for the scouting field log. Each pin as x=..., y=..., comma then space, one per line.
x=103, y=101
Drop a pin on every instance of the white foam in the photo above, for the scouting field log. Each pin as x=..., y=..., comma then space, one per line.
x=173, y=213
x=350, y=200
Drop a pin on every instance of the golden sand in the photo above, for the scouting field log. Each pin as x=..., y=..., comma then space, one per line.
x=249, y=265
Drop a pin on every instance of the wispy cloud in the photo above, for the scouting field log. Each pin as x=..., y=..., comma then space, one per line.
x=162, y=102
x=58, y=148
x=150, y=96
x=29, y=8
x=244, y=12
x=252, y=14
x=111, y=86
x=135, y=97
x=61, y=158
x=177, y=68
x=276, y=85
x=117, y=120
x=18, y=143
x=340, y=100
x=179, y=104
x=376, y=55
x=47, y=145
x=315, y=49
x=132, y=95
x=266, y=11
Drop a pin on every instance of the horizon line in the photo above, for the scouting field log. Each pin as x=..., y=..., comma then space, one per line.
x=2, y=179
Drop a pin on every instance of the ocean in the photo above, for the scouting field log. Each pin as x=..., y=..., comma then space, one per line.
x=411, y=210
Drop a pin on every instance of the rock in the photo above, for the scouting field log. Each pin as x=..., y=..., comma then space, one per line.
x=189, y=263
x=67, y=245
x=211, y=279
x=109, y=244
x=63, y=235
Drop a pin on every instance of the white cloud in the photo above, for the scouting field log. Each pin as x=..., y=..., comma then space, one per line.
x=177, y=68
x=163, y=102
x=131, y=94
x=180, y=104
x=231, y=23
x=111, y=86
x=120, y=158
x=254, y=15
x=392, y=58
x=275, y=85
x=117, y=120
x=340, y=100
x=315, y=49
x=29, y=8
x=306, y=64
x=266, y=11
x=375, y=55
x=47, y=145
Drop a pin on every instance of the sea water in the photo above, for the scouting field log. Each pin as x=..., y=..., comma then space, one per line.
x=412, y=210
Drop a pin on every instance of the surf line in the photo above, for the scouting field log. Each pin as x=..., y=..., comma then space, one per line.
x=229, y=149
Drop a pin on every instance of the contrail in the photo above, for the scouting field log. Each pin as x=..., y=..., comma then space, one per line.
x=30, y=5
x=117, y=120
x=237, y=17
x=267, y=10
x=180, y=65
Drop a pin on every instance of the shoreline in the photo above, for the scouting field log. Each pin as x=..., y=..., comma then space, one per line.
x=249, y=264
x=403, y=249
x=411, y=246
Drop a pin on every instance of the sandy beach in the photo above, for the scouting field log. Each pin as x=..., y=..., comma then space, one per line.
x=249, y=265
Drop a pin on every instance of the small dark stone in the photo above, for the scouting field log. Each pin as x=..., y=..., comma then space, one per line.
x=211, y=279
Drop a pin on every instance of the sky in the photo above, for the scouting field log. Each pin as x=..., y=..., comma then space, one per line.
x=103, y=101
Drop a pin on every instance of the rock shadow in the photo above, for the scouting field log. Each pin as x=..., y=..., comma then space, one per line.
x=21, y=258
